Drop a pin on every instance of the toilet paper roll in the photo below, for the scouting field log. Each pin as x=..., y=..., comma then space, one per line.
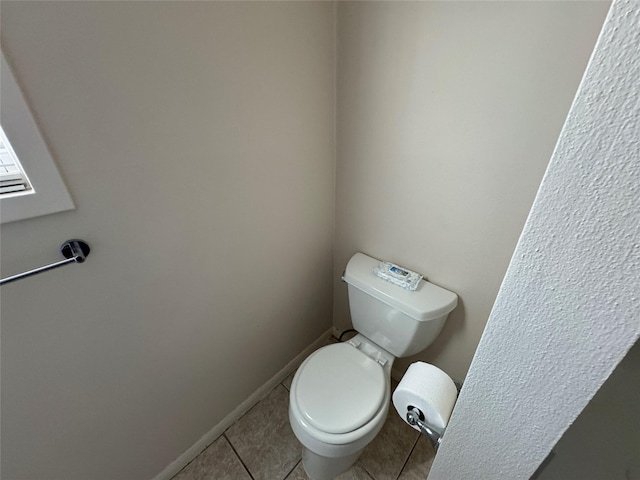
x=429, y=389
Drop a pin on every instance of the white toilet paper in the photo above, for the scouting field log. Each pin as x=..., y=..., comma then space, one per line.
x=431, y=390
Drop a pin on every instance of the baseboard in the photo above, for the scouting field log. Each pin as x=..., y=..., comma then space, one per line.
x=178, y=464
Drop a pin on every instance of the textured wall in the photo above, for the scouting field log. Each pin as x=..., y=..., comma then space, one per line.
x=568, y=308
x=196, y=139
x=447, y=117
x=604, y=441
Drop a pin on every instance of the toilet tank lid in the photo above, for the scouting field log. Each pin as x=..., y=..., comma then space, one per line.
x=427, y=302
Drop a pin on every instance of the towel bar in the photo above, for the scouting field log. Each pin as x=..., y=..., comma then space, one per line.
x=74, y=251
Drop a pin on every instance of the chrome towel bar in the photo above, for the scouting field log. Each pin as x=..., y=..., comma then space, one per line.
x=74, y=251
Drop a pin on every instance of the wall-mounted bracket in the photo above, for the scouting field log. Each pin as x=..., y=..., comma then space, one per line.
x=74, y=251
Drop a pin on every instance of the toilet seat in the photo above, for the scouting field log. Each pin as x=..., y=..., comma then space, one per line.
x=339, y=389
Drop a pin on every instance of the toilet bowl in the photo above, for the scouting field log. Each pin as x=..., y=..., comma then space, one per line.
x=338, y=403
x=340, y=395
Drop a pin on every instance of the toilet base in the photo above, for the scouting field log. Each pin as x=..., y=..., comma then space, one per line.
x=318, y=467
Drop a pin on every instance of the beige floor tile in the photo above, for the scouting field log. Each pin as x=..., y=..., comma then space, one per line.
x=419, y=463
x=264, y=440
x=354, y=473
x=385, y=456
x=217, y=462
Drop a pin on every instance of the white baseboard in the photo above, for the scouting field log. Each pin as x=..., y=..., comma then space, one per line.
x=192, y=452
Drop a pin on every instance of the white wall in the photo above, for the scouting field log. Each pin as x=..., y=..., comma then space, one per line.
x=447, y=116
x=567, y=312
x=196, y=139
x=604, y=440
x=114, y=368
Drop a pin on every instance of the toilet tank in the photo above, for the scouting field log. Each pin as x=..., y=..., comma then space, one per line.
x=401, y=321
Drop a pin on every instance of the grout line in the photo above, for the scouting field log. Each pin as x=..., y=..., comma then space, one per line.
x=247, y=412
x=237, y=455
x=294, y=467
x=415, y=444
x=193, y=459
x=371, y=475
x=287, y=388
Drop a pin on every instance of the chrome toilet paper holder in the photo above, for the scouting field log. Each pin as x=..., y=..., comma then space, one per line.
x=416, y=418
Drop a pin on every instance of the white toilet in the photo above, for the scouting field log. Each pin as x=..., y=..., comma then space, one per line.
x=340, y=394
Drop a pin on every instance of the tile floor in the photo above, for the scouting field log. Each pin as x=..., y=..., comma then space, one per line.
x=262, y=446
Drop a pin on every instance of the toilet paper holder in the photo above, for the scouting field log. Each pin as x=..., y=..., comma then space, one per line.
x=416, y=418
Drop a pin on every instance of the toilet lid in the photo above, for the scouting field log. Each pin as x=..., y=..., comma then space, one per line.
x=339, y=388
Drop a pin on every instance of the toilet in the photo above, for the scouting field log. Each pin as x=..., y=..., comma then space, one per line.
x=339, y=396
